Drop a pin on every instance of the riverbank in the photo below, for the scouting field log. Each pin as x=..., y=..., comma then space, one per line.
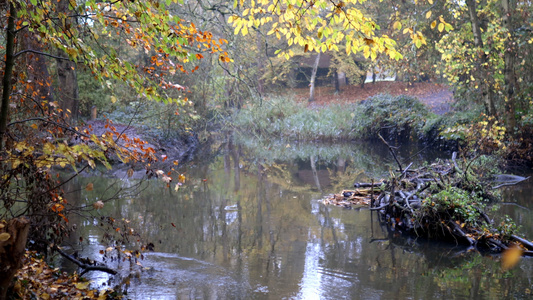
x=437, y=97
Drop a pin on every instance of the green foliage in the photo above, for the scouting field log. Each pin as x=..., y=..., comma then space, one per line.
x=436, y=124
x=283, y=117
x=507, y=227
x=398, y=114
x=92, y=94
x=460, y=205
x=158, y=120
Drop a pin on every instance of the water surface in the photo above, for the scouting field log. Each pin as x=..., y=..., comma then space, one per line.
x=249, y=224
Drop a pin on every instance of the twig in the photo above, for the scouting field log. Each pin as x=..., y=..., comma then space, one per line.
x=391, y=151
x=406, y=169
x=515, y=204
x=86, y=268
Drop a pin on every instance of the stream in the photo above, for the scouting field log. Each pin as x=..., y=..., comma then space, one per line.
x=248, y=223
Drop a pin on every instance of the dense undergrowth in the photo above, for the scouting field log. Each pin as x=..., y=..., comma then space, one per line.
x=404, y=118
x=401, y=116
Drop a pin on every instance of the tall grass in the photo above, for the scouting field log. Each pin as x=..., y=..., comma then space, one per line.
x=282, y=117
x=285, y=118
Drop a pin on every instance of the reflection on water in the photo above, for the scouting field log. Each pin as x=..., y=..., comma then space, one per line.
x=249, y=224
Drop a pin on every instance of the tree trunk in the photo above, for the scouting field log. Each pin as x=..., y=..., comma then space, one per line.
x=39, y=83
x=67, y=79
x=483, y=77
x=68, y=89
x=8, y=74
x=260, y=66
x=313, y=77
x=336, y=81
x=12, y=250
x=509, y=74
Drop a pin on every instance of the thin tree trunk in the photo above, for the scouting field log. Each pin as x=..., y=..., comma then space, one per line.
x=509, y=74
x=8, y=74
x=68, y=89
x=336, y=81
x=67, y=79
x=260, y=66
x=313, y=78
x=488, y=95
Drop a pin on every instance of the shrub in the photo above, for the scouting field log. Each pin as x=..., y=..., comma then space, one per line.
x=398, y=114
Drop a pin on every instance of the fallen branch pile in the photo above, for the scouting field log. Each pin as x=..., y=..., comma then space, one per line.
x=439, y=201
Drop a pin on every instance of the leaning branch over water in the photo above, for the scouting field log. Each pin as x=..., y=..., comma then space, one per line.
x=86, y=267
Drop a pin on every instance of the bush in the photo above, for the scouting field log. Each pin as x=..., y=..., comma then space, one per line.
x=457, y=203
x=398, y=114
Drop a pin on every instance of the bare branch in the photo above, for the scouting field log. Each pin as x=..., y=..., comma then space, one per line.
x=41, y=53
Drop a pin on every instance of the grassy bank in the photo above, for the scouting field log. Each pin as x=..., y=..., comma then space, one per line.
x=286, y=118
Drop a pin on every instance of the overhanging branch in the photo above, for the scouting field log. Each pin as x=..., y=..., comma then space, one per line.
x=41, y=53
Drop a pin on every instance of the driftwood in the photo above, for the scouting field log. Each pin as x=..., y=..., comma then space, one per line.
x=13, y=237
x=507, y=180
x=406, y=202
x=86, y=267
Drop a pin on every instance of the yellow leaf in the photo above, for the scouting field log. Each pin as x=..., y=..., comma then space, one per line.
x=34, y=126
x=181, y=178
x=428, y=14
x=397, y=25
x=433, y=24
x=237, y=29
x=113, y=99
x=511, y=257
x=244, y=30
x=4, y=236
x=430, y=1
x=441, y=27
x=82, y=285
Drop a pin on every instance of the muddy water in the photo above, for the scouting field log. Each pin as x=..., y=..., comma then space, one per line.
x=248, y=224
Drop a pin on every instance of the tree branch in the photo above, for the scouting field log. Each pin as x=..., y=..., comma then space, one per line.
x=50, y=122
x=41, y=53
x=86, y=268
x=391, y=151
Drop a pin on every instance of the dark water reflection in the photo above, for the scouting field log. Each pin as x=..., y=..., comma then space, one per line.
x=255, y=229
